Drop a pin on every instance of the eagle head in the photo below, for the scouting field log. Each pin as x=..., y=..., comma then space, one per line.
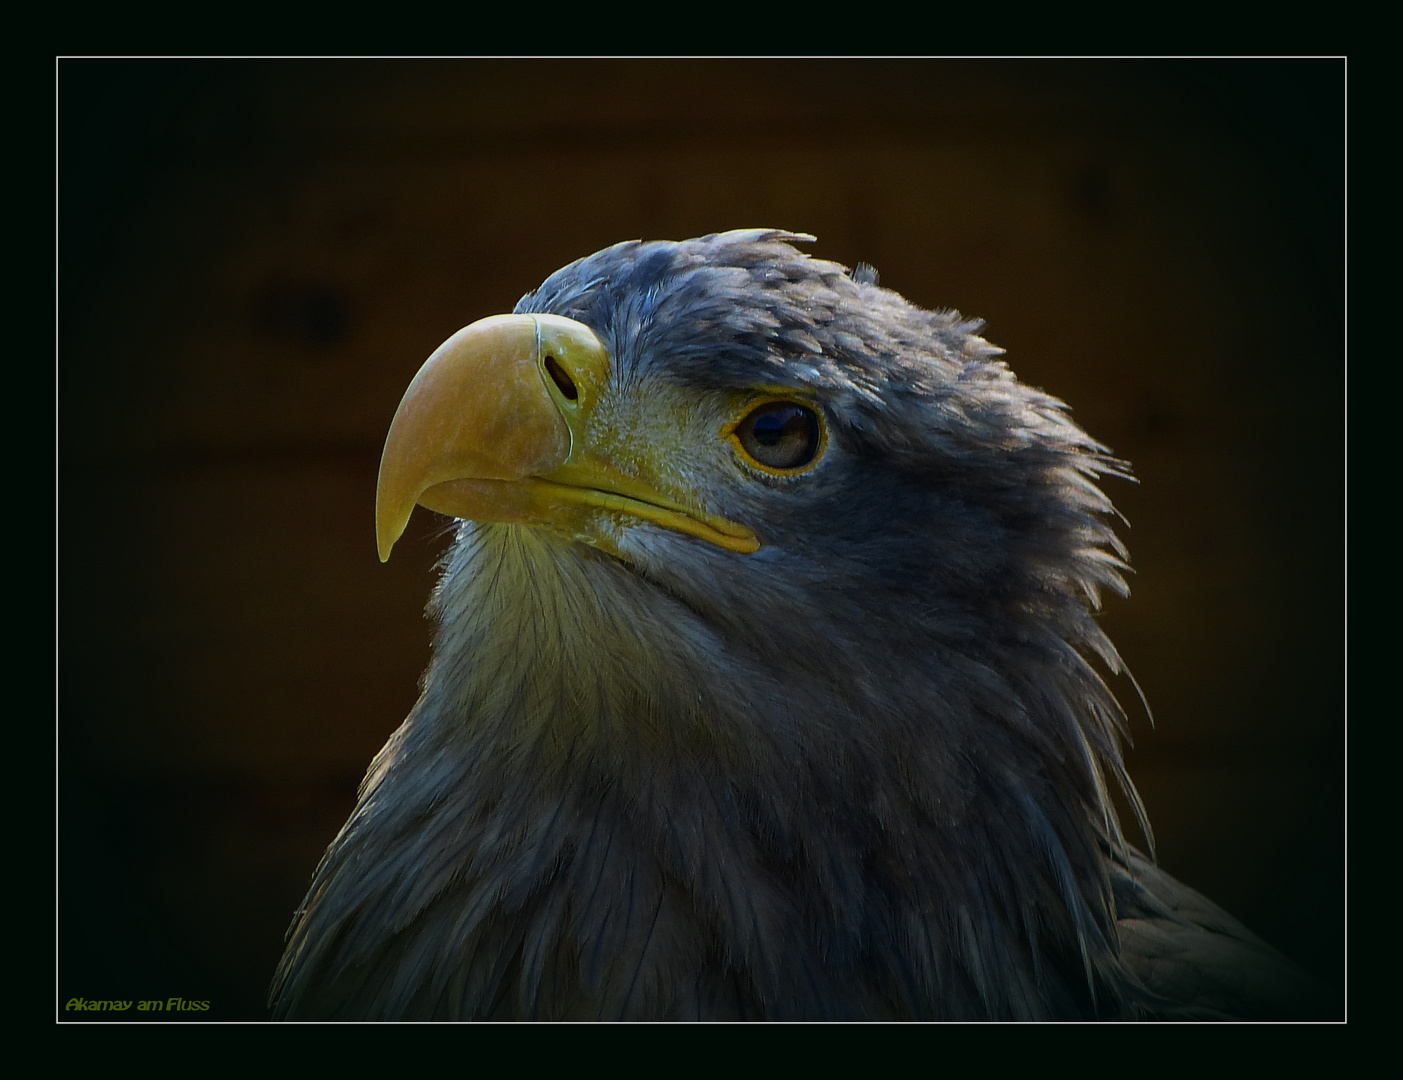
x=762, y=682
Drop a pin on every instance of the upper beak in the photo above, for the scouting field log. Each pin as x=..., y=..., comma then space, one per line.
x=493, y=428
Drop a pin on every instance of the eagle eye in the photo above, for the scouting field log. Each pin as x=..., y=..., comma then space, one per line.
x=780, y=436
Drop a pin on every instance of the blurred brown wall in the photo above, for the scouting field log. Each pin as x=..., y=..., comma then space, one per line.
x=255, y=257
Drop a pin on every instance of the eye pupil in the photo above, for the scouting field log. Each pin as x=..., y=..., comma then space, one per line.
x=780, y=435
x=769, y=429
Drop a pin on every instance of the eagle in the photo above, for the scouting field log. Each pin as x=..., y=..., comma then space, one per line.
x=766, y=680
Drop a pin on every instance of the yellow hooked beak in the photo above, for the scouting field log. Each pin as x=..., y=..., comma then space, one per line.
x=493, y=428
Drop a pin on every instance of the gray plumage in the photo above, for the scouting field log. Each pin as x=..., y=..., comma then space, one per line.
x=861, y=773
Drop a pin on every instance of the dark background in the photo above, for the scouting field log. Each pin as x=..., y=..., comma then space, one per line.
x=255, y=257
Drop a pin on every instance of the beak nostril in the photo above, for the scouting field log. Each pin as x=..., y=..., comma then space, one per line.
x=562, y=380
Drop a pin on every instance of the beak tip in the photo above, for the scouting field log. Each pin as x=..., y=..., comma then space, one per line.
x=389, y=527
